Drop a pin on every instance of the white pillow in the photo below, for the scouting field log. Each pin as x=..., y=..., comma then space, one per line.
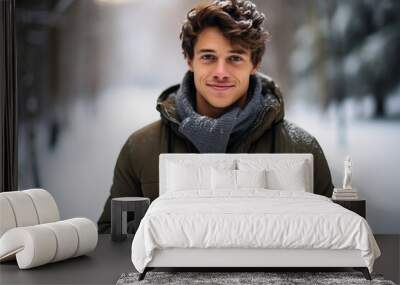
x=188, y=177
x=251, y=178
x=223, y=179
x=293, y=178
x=227, y=179
x=282, y=174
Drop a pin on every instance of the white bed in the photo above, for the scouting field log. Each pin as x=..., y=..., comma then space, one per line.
x=201, y=221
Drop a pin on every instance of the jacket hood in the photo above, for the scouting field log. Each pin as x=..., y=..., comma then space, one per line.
x=272, y=113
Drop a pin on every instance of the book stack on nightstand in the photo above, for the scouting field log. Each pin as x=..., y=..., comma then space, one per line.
x=344, y=194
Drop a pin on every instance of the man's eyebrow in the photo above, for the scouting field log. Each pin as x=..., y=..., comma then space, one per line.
x=238, y=51
x=205, y=50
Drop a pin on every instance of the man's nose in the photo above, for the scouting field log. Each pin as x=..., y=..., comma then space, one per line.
x=220, y=71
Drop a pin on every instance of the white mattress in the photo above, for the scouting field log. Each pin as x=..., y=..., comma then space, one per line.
x=253, y=218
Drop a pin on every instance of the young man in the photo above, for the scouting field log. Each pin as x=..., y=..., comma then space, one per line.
x=222, y=105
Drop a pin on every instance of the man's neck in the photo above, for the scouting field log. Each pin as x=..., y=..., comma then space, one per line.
x=206, y=109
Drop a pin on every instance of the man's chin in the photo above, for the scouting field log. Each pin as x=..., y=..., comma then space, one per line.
x=220, y=105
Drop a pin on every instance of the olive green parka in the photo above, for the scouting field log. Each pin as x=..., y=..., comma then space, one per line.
x=136, y=170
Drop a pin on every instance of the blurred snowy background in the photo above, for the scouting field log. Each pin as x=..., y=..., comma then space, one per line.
x=90, y=72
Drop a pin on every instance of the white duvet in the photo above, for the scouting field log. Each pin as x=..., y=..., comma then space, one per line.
x=252, y=218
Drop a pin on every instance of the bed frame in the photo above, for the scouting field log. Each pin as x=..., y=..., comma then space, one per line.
x=244, y=259
x=259, y=259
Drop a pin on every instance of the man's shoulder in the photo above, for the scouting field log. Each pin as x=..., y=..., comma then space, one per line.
x=147, y=130
x=146, y=137
x=297, y=133
x=293, y=137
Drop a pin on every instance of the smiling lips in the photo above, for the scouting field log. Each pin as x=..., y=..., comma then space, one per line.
x=220, y=86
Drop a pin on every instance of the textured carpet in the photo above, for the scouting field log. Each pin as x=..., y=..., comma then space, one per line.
x=273, y=278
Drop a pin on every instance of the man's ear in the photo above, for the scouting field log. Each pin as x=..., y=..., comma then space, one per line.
x=190, y=64
x=255, y=69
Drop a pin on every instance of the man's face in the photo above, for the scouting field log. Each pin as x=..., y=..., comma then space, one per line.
x=221, y=71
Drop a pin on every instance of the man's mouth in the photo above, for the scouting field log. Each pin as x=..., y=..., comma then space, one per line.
x=220, y=86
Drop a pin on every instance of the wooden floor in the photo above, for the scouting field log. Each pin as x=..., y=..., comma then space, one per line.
x=389, y=262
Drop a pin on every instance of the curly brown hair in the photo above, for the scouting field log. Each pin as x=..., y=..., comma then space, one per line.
x=238, y=20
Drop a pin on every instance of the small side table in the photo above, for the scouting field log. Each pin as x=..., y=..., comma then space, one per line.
x=119, y=208
x=357, y=206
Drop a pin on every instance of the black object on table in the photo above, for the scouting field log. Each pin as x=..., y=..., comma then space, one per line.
x=357, y=206
x=119, y=209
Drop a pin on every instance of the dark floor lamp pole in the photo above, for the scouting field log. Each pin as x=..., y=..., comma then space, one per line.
x=8, y=98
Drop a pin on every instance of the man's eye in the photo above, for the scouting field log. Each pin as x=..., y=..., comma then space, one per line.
x=235, y=58
x=207, y=57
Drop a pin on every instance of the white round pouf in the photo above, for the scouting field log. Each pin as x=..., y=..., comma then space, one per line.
x=40, y=244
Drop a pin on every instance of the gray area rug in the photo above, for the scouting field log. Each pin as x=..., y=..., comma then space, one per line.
x=273, y=278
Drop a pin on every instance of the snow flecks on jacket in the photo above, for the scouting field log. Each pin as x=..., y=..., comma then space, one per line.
x=271, y=101
x=297, y=134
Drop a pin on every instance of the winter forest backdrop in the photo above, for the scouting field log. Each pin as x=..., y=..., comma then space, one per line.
x=90, y=71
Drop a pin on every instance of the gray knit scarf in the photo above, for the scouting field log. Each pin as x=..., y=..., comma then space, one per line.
x=211, y=135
